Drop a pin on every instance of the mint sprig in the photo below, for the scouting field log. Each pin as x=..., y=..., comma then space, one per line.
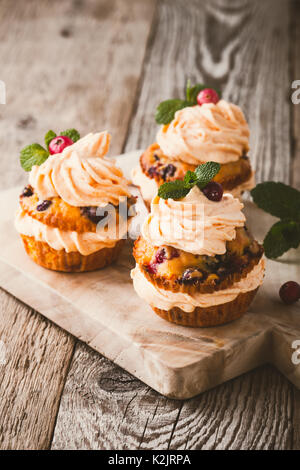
x=35, y=154
x=178, y=189
x=48, y=137
x=31, y=155
x=282, y=201
x=166, y=110
x=73, y=134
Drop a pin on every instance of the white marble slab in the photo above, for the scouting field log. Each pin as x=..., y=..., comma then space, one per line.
x=102, y=309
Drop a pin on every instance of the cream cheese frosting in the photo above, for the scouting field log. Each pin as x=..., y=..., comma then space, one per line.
x=211, y=132
x=148, y=186
x=81, y=175
x=85, y=242
x=166, y=300
x=194, y=224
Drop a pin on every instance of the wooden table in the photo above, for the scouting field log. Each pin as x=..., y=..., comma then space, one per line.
x=105, y=64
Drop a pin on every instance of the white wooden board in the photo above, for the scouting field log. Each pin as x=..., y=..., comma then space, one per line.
x=102, y=309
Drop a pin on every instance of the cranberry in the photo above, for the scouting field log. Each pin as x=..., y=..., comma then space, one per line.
x=213, y=191
x=191, y=275
x=168, y=170
x=152, y=268
x=27, y=191
x=42, y=206
x=91, y=213
x=160, y=256
x=152, y=171
x=290, y=292
x=59, y=143
x=208, y=95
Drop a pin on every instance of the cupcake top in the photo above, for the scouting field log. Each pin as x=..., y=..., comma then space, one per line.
x=194, y=223
x=210, y=132
x=81, y=175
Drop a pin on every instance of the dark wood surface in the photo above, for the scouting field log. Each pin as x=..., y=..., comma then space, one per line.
x=106, y=64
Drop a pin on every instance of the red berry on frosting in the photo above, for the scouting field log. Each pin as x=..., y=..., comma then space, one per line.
x=59, y=143
x=213, y=191
x=208, y=95
x=290, y=292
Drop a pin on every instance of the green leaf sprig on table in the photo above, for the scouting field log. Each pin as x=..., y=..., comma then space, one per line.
x=178, y=189
x=166, y=110
x=36, y=154
x=282, y=201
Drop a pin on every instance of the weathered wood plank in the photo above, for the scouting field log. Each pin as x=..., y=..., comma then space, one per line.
x=295, y=173
x=68, y=64
x=65, y=64
x=295, y=67
x=240, y=47
x=34, y=362
x=103, y=407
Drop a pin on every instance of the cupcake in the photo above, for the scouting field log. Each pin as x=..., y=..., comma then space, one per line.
x=73, y=214
x=196, y=263
x=205, y=129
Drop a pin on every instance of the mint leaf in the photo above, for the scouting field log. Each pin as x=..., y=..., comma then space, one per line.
x=33, y=154
x=173, y=189
x=48, y=137
x=72, y=134
x=192, y=92
x=166, y=110
x=278, y=199
x=206, y=172
x=190, y=179
x=281, y=237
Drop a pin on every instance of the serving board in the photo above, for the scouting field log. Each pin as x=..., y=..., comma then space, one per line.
x=102, y=309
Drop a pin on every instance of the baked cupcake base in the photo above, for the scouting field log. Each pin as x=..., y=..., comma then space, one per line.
x=59, y=260
x=210, y=316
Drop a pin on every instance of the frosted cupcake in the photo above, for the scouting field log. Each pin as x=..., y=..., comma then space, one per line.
x=202, y=129
x=196, y=262
x=70, y=191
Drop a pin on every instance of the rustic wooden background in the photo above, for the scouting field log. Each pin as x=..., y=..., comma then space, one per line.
x=100, y=64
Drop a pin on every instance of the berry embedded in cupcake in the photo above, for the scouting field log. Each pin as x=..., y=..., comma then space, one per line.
x=196, y=262
x=73, y=213
x=197, y=130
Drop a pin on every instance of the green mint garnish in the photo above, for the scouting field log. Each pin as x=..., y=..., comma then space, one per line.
x=173, y=189
x=278, y=199
x=282, y=201
x=73, y=134
x=193, y=91
x=166, y=110
x=178, y=189
x=35, y=154
x=31, y=155
x=205, y=173
x=48, y=137
x=282, y=236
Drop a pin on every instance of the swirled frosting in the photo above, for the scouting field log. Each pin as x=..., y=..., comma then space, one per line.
x=194, y=224
x=166, y=299
x=211, y=132
x=85, y=242
x=81, y=175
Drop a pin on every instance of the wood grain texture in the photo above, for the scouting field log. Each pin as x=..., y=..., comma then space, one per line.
x=103, y=407
x=35, y=358
x=242, y=47
x=295, y=109
x=68, y=64
x=295, y=170
x=65, y=64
